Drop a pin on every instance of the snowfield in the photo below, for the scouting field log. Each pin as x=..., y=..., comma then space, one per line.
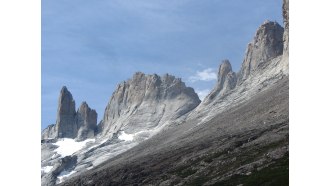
x=46, y=169
x=126, y=137
x=67, y=146
x=64, y=175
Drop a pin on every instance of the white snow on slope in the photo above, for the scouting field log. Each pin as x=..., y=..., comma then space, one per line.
x=125, y=137
x=63, y=175
x=67, y=146
x=46, y=169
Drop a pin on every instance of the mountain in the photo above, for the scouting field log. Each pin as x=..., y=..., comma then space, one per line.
x=266, y=45
x=146, y=102
x=138, y=109
x=70, y=123
x=227, y=80
x=155, y=130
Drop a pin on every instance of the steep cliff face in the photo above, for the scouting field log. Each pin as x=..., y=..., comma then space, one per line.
x=49, y=132
x=146, y=102
x=66, y=113
x=69, y=123
x=226, y=81
x=266, y=45
x=245, y=115
x=86, y=122
x=285, y=9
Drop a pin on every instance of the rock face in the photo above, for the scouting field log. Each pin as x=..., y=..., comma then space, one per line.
x=49, y=132
x=266, y=45
x=285, y=9
x=226, y=81
x=245, y=112
x=86, y=121
x=66, y=113
x=69, y=123
x=146, y=102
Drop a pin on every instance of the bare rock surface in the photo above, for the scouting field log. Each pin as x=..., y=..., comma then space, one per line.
x=155, y=131
x=49, y=132
x=70, y=123
x=86, y=121
x=226, y=81
x=138, y=109
x=285, y=9
x=66, y=114
x=147, y=102
x=266, y=45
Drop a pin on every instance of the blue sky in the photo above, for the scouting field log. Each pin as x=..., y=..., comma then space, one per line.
x=91, y=46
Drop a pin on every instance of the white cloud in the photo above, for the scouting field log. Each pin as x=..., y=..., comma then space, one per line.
x=202, y=93
x=208, y=74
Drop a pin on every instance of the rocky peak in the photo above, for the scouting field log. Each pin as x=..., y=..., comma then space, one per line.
x=86, y=122
x=147, y=96
x=224, y=69
x=226, y=81
x=66, y=114
x=285, y=9
x=69, y=123
x=266, y=45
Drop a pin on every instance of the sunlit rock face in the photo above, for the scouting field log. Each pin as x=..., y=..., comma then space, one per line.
x=226, y=81
x=266, y=45
x=66, y=115
x=70, y=123
x=285, y=9
x=86, y=121
x=146, y=102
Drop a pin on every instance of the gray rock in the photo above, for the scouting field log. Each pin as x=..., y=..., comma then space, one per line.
x=64, y=164
x=69, y=123
x=49, y=132
x=285, y=9
x=226, y=81
x=146, y=102
x=266, y=45
x=66, y=126
x=86, y=121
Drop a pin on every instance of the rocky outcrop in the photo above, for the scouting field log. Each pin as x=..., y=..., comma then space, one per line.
x=146, y=102
x=64, y=164
x=285, y=9
x=66, y=126
x=49, y=132
x=86, y=121
x=226, y=81
x=266, y=45
x=69, y=123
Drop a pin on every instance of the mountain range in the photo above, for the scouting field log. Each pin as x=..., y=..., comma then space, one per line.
x=156, y=131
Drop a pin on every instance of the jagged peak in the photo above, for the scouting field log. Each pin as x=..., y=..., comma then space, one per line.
x=225, y=68
x=269, y=24
x=266, y=45
x=83, y=105
x=64, y=89
x=65, y=93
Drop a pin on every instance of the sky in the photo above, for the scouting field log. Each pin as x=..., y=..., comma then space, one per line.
x=91, y=46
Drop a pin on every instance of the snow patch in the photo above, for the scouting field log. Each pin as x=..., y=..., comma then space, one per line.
x=126, y=137
x=64, y=174
x=46, y=169
x=67, y=146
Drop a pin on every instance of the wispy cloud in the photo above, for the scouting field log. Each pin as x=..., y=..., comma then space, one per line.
x=202, y=93
x=208, y=74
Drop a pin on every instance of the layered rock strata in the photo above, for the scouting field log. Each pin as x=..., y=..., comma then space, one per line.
x=146, y=102
x=266, y=45
x=226, y=81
